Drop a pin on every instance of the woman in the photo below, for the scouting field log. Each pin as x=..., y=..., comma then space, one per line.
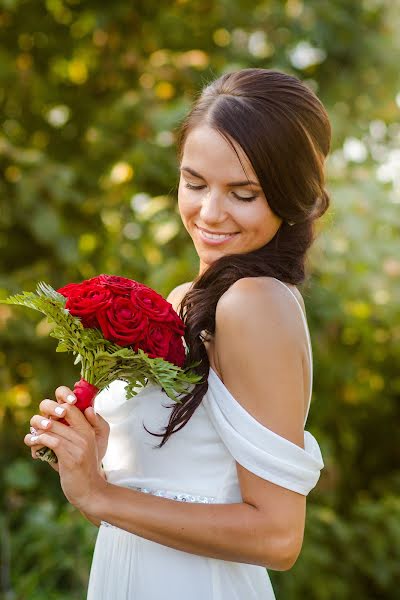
x=222, y=498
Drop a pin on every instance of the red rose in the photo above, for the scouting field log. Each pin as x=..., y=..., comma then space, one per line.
x=118, y=285
x=176, y=322
x=157, y=341
x=72, y=289
x=176, y=353
x=84, y=301
x=152, y=304
x=157, y=308
x=122, y=322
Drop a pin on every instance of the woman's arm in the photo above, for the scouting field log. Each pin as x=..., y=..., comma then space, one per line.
x=225, y=531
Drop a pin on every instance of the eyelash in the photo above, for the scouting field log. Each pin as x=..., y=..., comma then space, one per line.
x=200, y=187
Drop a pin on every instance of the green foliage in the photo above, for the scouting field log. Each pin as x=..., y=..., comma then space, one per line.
x=356, y=556
x=92, y=94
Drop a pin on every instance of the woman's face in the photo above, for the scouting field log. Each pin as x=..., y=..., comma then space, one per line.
x=214, y=196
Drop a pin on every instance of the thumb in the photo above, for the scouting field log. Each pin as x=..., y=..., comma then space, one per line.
x=96, y=420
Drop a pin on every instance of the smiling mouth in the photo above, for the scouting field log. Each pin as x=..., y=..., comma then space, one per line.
x=213, y=238
x=221, y=233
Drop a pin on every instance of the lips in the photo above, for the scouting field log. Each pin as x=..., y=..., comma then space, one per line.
x=217, y=232
x=215, y=239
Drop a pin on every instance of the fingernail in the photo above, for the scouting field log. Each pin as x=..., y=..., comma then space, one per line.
x=59, y=410
x=44, y=422
x=71, y=398
x=34, y=438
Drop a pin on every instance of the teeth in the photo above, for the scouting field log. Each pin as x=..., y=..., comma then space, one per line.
x=216, y=236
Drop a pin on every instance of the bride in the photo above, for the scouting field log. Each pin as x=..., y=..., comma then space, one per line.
x=222, y=498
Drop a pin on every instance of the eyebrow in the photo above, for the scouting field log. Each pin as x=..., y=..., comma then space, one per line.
x=232, y=183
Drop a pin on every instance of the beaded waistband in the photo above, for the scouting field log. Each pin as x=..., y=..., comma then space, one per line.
x=179, y=496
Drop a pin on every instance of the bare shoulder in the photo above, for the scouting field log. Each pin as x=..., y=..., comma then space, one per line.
x=175, y=296
x=260, y=346
x=264, y=295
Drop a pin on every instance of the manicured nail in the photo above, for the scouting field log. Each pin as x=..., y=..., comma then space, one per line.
x=34, y=438
x=59, y=410
x=44, y=422
x=71, y=398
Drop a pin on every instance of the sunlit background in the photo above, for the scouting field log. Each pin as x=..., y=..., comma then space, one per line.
x=92, y=94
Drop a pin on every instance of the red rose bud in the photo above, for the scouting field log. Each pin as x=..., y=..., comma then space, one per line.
x=85, y=393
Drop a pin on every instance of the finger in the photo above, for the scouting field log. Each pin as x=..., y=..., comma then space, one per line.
x=65, y=394
x=31, y=440
x=97, y=422
x=90, y=416
x=36, y=447
x=51, y=408
x=65, y=431
x=75, y=417
x=68, y=453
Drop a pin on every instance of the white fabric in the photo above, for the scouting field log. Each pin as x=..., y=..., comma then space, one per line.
x=200, y=459
x=259, y=449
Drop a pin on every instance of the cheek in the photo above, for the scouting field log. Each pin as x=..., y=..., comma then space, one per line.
x=187, y=204
x=254, y=218
x=182, y=201
x=260, y=221
x=185, y=208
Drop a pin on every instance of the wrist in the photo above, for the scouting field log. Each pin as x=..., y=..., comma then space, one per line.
x=94, y=506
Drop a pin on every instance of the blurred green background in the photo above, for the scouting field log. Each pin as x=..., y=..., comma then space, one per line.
x=92, y=94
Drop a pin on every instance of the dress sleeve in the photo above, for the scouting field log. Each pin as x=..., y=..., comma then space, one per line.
x=259, y=449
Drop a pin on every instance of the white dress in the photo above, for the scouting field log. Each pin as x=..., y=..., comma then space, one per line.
x=197, y=464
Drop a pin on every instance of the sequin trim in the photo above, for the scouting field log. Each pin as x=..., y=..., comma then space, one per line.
x=179, y=496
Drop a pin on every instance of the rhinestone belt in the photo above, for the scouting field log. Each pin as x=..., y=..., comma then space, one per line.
x=180, y=496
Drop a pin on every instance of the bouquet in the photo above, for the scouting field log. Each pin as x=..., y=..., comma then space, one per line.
x=118, y=329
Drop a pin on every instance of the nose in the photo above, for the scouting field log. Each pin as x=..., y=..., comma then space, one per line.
x=212, y=207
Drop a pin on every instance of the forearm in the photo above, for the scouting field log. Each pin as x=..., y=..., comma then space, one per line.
x=224, y=531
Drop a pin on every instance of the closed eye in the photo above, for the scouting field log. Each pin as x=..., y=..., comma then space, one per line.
x=200, y=187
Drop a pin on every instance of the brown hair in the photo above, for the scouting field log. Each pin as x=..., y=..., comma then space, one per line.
x=284, y=130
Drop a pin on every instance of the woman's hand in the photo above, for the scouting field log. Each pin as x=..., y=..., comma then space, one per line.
x=49, y=408
x=76, y=449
